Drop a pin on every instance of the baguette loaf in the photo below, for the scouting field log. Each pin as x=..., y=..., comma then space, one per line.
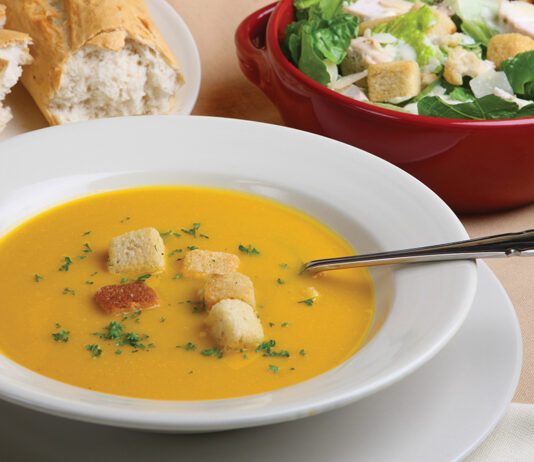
x=95, y=58
x=14, y=53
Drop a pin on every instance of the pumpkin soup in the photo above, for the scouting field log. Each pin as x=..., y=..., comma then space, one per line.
x=57, y=319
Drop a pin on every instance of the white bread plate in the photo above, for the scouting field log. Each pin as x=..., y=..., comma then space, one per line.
x=372, y=204
x=27, y=117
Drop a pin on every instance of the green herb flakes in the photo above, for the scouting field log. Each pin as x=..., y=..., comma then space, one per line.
x=87, y=248
x=37, y=277
x=66, y=265
x=212, y=352
x=280, y=281
x=188, y=346
x=308, y=301
x=178, y=276
x=192, y=231
x=66, y=291
x=61, y=336
x=94, y=349
x=248, y=250
x=144, y=277
x=273, y=368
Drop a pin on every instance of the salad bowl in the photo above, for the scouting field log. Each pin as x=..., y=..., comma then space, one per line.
x=473, y=165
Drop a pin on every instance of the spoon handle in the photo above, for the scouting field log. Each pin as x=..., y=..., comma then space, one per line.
x=500, y=245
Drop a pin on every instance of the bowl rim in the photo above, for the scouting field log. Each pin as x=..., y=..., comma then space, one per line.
x=253, y=410
x=273, y=48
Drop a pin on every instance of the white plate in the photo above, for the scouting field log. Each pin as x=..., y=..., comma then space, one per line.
x=26, y=115
x=440, y=413
x=373, y=204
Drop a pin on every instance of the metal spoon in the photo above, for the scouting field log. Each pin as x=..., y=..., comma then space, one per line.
x=500, y=245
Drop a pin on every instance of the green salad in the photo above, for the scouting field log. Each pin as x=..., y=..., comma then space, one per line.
x=460, y=59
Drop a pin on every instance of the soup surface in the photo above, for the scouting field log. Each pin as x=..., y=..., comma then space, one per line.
x=55, y=262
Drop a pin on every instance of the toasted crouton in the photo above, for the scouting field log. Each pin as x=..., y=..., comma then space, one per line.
x=461, y=63
x=200, y=263
x=228, y=286
x=140, y=251
x=125, y=298
x=362, y=52
x=505, y=46
x=2, y=15
x=427, y=79
x=394, y=82
x=234, y=324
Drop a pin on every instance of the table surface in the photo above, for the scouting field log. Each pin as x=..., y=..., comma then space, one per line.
x=226, y=93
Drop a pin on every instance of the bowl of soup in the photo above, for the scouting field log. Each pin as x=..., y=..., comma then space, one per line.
x=475, y=166
x=267, y=199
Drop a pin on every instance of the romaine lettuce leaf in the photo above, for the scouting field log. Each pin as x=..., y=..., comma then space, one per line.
x=520, y=73
x=412, y=27
x=479, y=18
x=322, y=32
x=489, y=107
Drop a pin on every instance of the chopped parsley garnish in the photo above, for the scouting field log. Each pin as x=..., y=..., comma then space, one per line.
x=94, y=274
x=58, y=325
x=192, y=231
x=245, y=356
x=176, y=234
x=89, y=283
x=204, y=236
x=65, y=266
x=266, y=348
x=37, y=277
x=61, y=336
x=168, y=233
x=66, y=291
x=95, y=350
x=114, y=330
x=248, y=250
x=308, y=301
x=188, y=346
x=144, y=277
x=86, y=233
x=271, y=324
x=125, y=219
x=87, y=248
x=123, y=280
x=134, y=315
x=212, y=352
x=192, y=247
x=178, y=276
x=283, y=265
x=118, y=352
x=285, y=324
x=175, y=251
x=198, y=307
x=273, y=368
x=280, y=281
x=162, y=320
x=302, y=352
x=81, y=257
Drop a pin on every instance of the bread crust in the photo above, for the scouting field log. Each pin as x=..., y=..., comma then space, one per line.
x=58, y=34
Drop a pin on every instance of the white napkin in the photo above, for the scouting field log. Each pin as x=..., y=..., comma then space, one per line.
x=512, y=440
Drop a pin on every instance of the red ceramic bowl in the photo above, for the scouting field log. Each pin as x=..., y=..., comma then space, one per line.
x=475, y=166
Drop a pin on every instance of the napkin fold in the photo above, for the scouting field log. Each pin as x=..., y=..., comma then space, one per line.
x=512, y=440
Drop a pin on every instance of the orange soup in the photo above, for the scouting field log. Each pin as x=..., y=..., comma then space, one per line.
x=55, y=262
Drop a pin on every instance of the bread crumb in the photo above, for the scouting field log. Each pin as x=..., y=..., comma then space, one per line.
x=140, y=251
x=228, y=286
x=234, y=325
x=200, y=263
x=125, y=298
x=394, y=82
x=505, y=46
x=461, y=63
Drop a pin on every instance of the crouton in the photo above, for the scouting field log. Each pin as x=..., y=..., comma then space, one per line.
x=200, y=263
x=394, y=82
x=362, y=52
x=461, y=63
x=228, y=286
x=140, y=251
x=125, y=298
x=505, y=46
x=372, y=23
x=234, y=325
